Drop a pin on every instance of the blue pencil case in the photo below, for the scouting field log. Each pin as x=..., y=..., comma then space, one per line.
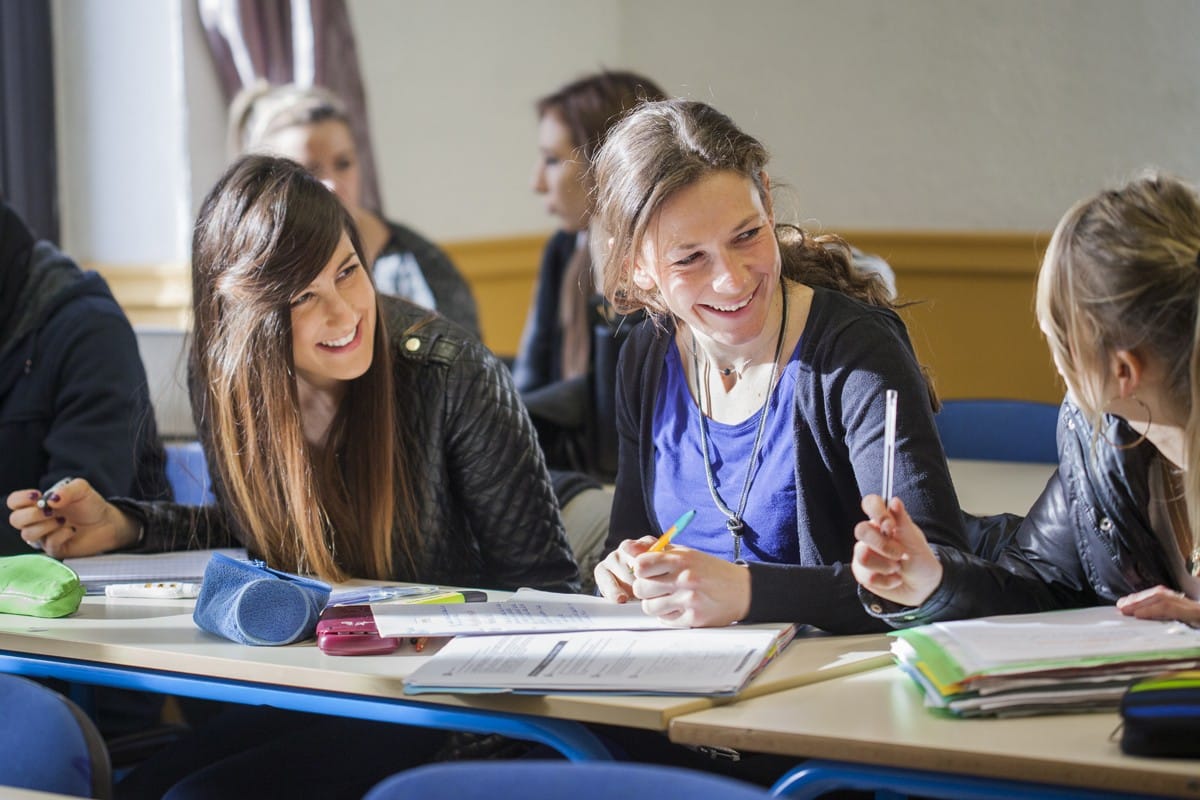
x=250, y=603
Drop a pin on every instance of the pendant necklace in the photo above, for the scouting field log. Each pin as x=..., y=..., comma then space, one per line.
x=733, y=520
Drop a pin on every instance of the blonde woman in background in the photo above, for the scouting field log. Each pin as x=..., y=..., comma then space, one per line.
x=310, y=126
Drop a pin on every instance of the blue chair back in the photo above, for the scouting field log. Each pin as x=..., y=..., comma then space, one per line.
x=187, y=472
x=999, y=430
x=553, y=780
x=47, y=743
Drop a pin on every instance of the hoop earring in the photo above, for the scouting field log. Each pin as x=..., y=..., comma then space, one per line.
x=1141, y=438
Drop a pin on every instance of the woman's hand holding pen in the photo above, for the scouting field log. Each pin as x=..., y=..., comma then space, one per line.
x=892, y=557
x=679, y=585
x=691, y=589
x=70, y=520
x=614, y=575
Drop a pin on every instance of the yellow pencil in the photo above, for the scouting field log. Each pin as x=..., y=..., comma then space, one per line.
x=671, y=532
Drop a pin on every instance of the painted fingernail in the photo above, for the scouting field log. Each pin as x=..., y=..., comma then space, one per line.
x=34, y=495
x=47, y=512
x=61, y=520
x=54, y=498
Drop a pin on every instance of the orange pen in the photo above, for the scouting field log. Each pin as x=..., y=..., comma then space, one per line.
x=671, y=532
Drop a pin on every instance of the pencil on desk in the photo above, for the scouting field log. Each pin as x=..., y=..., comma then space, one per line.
x=671, y=532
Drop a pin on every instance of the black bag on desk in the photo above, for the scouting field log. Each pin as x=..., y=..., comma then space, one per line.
x=1161, y=716
x=250, y=603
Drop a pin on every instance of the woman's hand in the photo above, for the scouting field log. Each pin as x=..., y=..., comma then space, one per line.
x=614, y=575
x=892, y=558
x=688, y=588
x=1160, y=603
x=75, y=520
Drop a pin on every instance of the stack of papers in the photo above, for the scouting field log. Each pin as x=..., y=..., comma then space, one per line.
x=545, y=643
x=1054, y=662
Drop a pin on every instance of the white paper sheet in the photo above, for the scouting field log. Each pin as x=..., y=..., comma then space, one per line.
x=527, y=611
x=993, y=643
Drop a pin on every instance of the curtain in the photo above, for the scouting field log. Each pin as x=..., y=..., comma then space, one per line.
x=28, y=160
x=308, y=42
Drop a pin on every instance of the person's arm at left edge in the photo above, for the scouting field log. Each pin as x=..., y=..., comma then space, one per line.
x=494, y=458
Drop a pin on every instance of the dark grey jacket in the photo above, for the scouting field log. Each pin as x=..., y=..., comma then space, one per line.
x=486, y=509
x=1087, y=541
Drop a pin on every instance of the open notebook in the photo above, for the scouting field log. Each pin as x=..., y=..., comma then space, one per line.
x=704, y=661
x=548, y=643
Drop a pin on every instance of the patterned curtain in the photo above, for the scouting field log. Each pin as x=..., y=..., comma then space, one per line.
x=308, y=42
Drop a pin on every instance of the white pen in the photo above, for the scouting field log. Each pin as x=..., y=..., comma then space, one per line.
x=889, y=444
x=155, y=589
x=41, y=503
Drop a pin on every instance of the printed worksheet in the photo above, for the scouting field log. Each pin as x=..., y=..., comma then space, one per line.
x=527, y=611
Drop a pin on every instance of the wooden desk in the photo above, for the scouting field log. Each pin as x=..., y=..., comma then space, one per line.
x=154, y=645
x=877, y=718
x=995, y=487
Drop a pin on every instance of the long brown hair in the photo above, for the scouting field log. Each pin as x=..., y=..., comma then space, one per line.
x=662, y=147
x=347, y=509
x=1122, y=272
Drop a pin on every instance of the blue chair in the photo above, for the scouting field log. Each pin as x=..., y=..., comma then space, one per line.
x=187, y=472
x=999, y=430
x=47, y=743
x=553, y=780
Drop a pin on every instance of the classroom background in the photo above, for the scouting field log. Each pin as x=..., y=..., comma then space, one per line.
x=945, y=135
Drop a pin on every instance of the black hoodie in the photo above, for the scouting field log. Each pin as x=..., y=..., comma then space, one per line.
x=73, y=394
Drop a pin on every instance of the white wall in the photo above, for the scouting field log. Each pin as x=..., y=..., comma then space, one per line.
x=928, y=114
x=450, y=89
x=124, y=170
x=939, y=114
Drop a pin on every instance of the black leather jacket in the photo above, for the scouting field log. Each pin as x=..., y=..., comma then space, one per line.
x=487, y=513
x=1087, y=541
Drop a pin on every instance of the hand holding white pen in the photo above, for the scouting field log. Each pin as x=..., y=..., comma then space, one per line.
x=71, y=519
x=892, y=557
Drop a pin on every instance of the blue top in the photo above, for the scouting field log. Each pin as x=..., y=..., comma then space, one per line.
x=680, y=484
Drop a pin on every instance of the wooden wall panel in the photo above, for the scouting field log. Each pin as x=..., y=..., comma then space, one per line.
x=972, y=321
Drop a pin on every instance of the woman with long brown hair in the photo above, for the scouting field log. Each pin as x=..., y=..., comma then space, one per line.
x=349, y=434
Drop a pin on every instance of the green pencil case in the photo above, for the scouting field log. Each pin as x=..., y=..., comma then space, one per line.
x=38, y=586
